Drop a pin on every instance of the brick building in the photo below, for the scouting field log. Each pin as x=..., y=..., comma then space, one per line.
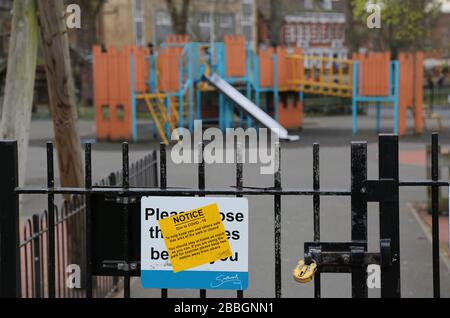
x=124, y=22
x=317, y=26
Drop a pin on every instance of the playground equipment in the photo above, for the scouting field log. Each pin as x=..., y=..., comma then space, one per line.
x=377, y=79
x=139, y=92
x=229, y=91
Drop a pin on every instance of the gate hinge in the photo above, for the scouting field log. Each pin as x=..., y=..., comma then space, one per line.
x=383, y=190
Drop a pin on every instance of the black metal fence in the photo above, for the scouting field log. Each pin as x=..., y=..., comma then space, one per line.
x=66, y=233
x=437, y=97
x=345, y=257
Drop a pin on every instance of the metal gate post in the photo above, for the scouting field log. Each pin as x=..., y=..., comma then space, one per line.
x=389, y=215
x=359, y=214
x=9, y=222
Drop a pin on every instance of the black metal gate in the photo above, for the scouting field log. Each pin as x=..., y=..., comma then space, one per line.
x=345, y=257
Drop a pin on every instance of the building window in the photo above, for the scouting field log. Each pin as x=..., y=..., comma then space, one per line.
x=314, y=32
x=290, y=35
x=327, y=5
x=226, y=25
x=300, y=33
x=204, y=26
x=338, y=33
x=6, y=4
x=162, y=18
x=138, y=16
x=309, y=4
x=247, y=13
x=322, y=33
x=247, y=20
x=328, y=35
x=226, y=20
x=307, y=32
x=205, y=20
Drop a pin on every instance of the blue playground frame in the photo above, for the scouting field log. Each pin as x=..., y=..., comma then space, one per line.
x=393, y=96
x=191, y=75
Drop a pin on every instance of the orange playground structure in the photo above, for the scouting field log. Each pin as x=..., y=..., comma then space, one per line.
x=166, y=88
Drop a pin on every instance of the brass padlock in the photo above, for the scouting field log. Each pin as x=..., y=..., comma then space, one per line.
x=304, y=273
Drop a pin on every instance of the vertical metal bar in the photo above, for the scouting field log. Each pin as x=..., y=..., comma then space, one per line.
x=355, y=70
x=88, y=218
x=435, y=214
x=277, y=212
x=9, y=222
x=155, y=169
x=63, y=243
x=389, y=216
x=126, y=223
x=58, y=267
x=163, y=185
x=37, y=257
x=202, y=186
x=316, y=208
x=239, y=185
x=396, y=75
x=27, y=234
x=276, y=97
x=378, y=116
x=359, y=213
x=51, y=222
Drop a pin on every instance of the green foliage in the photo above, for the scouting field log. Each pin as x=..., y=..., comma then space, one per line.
x=405, y=23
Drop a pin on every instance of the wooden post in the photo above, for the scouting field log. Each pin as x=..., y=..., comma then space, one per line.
x=61, y=91
x=62, y=107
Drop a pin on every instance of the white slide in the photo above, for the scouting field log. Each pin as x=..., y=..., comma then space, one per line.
x=248, y=106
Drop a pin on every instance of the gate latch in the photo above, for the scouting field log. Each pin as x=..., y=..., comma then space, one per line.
x=342, y=257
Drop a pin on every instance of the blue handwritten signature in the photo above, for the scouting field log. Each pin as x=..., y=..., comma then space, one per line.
x=226, y=279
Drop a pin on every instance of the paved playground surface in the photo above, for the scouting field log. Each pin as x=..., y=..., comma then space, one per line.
x=334, y=135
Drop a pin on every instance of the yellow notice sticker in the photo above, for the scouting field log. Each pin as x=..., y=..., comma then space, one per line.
x=195, y=238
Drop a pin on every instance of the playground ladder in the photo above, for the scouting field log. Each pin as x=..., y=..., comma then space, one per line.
x=157, y=109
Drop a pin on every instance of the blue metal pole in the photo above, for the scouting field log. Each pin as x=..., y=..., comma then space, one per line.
x=191, y=88
x=226, y=113
x=153, y=74
x=180, y=94
x=191, y=107
x=180, y=109
x=249, y=96
x=221, y=112
x=168, y=111
x=275, y=87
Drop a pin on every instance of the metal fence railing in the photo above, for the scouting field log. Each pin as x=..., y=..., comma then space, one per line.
x=68, y=238
x=350, y=257
x=437, y=97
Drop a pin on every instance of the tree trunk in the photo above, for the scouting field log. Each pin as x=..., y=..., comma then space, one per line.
x=351, y=31
x=61, y=91
x=20, y=77
x=61, y=95
x=180, y=18
x=275, y=22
